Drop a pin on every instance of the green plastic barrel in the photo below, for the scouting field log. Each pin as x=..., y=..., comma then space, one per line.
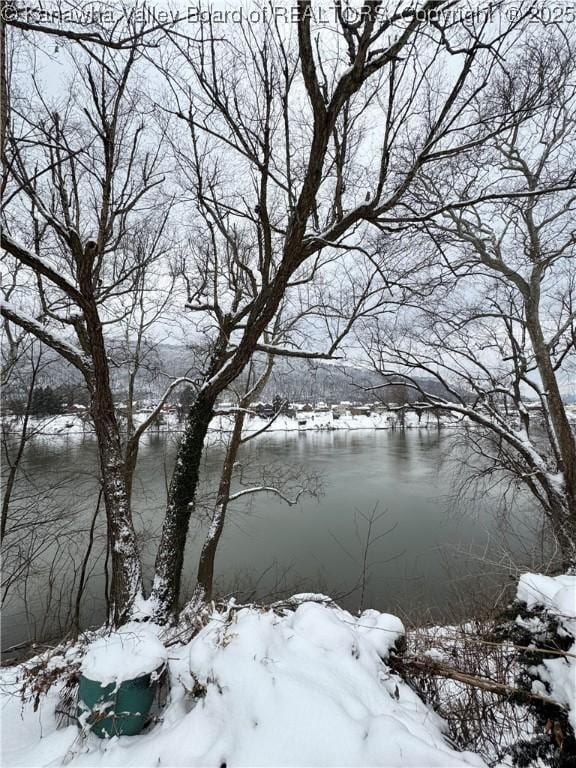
x=112, y=710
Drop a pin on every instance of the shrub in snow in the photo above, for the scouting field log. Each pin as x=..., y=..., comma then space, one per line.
x=543, y=622
x=479, y=719
x=60, y=666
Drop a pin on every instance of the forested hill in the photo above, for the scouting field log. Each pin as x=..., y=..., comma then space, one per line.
x=291, y=378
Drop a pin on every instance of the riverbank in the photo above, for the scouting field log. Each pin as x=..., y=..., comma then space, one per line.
x=305, y=683
x=306, y=421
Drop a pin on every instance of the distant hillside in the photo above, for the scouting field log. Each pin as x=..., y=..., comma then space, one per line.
x=294, y=379
x=302, y=381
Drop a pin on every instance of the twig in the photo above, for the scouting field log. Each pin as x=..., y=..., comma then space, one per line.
x=432, y=667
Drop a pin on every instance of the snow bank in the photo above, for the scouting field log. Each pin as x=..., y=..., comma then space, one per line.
x=254, y=688
x=557, y=595
x=130, y=652
x=313, y=421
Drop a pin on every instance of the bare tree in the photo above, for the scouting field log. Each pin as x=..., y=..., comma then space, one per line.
x=255, y=383
x=499, y=334
x=277, y=129
x=82, y=175
x=277, y=183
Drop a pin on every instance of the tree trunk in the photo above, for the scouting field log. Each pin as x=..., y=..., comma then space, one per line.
x=562, y=431
x=4, y=95
x=562, y=526
x=205, y=575
x=181, y=494
x=126, y=582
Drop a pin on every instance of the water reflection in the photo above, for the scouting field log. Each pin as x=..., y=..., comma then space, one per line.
x=316, y=545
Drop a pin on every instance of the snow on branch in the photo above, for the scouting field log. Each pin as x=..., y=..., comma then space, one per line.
x=266, y=489
x=46, y=335
x=455, y=205
x=266, y=427
x=40, y=267
x=371, y=212
x=293, y=352
x=517, y=439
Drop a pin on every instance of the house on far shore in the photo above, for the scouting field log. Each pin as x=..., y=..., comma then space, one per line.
x=360, y=410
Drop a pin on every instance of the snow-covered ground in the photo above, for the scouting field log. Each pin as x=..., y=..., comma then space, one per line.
x=76, y=424
x=305, y=421
x=302, y=684
x=303, y=687
x=557, y=595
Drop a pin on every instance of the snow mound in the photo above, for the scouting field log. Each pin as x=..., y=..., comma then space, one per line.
x=304, y=688
x=557, y=594
x=125, y=654
x=382, y=630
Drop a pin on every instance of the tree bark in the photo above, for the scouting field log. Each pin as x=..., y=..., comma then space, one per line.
x=181, y=495
x=4, y=95
x=205, y=575
x=565, y=519
x=126, y=581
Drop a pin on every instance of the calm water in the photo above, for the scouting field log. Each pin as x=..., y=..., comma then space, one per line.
x=428, y=562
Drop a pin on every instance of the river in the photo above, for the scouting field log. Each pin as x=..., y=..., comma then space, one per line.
x=434, y=562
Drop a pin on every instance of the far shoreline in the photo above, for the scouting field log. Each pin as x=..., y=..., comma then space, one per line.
x=65, y=425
